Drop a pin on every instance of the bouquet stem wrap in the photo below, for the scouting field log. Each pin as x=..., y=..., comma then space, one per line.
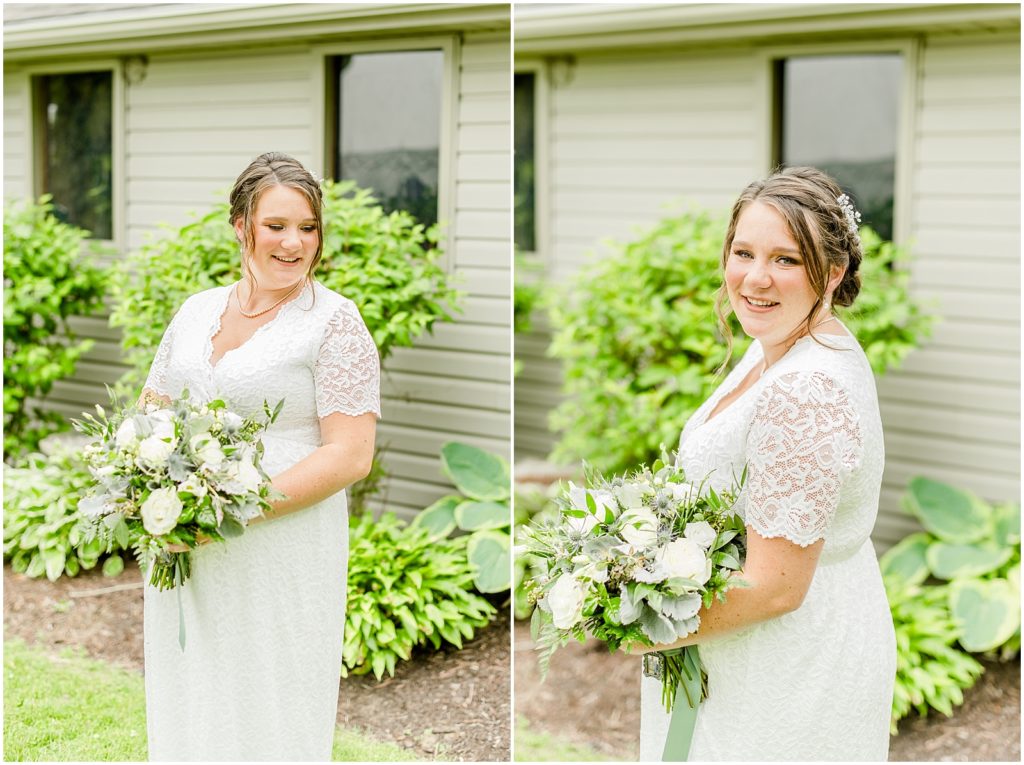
x=681, y=669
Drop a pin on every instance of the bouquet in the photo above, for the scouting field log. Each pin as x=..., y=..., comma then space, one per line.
x=166, y=473
x=631, y=560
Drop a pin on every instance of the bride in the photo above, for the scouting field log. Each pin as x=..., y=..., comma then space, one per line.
x=800, y=664
x=264, y=613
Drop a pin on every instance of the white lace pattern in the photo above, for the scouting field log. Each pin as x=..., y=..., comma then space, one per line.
x=265, y=613
x=814, y=684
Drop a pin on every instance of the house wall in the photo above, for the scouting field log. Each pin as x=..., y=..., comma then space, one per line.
x=633, y=129
x=197, y=119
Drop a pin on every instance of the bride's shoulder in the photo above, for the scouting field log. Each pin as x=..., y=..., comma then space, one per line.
x=204, y=299
x=328, y=302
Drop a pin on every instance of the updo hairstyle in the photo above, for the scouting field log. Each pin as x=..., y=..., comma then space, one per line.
x=267, y=170
x=808, y=200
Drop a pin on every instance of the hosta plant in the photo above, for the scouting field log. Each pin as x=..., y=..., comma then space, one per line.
x=931, y=672
x=405, y=589
x=42, y=535
x=975, y=546
x=483, y=510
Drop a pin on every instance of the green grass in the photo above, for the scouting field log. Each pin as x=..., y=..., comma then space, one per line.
x=69, y=707
x=538, y=746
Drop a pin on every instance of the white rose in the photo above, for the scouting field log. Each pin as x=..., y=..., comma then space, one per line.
x=700, y=532
x=565, y=600
x=641, y=527
x=231, y=421
x=629, y=495
x=682, y=492
x=162, y=421
x=155, y=451
x=161, y=510
x=126, y=434
x=684, y=558
x=104, y=471
x=248, y=476
x=208, y=450
x=192, y=485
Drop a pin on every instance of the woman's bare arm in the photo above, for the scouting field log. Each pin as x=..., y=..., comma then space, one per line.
x=779, y=573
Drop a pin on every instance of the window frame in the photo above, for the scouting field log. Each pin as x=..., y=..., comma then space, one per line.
x=325, y=105
x=541, y=99
x=118, y=138
x=769, y=108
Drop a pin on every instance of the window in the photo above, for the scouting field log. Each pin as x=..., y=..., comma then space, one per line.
x=841, y=113
x=524, y=198
x=386, y=129
x=73, y=128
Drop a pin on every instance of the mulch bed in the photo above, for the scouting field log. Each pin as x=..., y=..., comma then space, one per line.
x=593, y=698
x=447, y=704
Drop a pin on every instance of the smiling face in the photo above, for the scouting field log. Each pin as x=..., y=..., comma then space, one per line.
x=766, y=277
x=284, y=238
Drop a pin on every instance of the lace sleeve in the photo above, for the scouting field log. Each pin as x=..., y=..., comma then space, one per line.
x=804, y=440
x=347, y=374
x=158, y=380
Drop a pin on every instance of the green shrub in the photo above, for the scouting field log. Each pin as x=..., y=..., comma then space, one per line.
x=46, y=281
x=637, y=335
x=931, y=672
x=406, y=588
x=528, y=297
x=483, y=510
x=41, y=529
x=386, y=263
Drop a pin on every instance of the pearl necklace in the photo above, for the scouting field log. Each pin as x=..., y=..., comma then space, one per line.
x=265, y=310
x=816, y=324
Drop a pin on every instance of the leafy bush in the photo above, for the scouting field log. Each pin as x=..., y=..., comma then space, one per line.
x=388, y=264
x=406, y=588
x=528, y=296
x=930, y=670
x=483, y=510
x=638, y=337
x=975, y=546
x=46, y=281
x=41, y=529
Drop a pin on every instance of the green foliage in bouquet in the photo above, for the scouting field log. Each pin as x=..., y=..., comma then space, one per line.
x=42, y=533
x=975, y=546
x=406, y=588
x=533, y=504
x=46, y=281
x=637, y=335
x=931, y=672
x=483, y=511
x=388, y=264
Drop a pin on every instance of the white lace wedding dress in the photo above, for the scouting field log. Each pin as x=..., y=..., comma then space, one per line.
x=264, y=613
x=816, y=683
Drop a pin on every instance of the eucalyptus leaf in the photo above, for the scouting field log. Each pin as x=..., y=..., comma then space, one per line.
x=656, y=627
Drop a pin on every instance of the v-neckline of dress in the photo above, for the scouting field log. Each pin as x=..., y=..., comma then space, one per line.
x=223, y=309
x=717, y=398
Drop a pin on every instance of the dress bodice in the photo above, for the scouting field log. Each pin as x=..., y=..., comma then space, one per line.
x=808, y=433
x=316, y=354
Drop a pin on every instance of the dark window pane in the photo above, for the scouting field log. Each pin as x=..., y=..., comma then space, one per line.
x=389, y=127
x=841, y=114
x=74, y=123
x=525, y=216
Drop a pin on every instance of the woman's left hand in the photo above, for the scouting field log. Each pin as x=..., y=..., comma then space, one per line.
x=201, y=539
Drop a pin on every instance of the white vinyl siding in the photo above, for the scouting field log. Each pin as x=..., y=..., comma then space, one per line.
x=197, y=119
x=953, y=411
x=634, y=129
x=17, y=141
